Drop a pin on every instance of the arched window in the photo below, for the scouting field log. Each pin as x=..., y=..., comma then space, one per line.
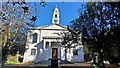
x=56, y=15
x=33, y=51
x=34, y=40
x=47, y=45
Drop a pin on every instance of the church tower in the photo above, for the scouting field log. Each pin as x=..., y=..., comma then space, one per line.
x=55, y=18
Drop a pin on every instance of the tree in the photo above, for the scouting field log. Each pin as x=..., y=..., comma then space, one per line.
x=66, y=42
x=15, y=18
x=112, y=48
x=71, y=39
x=94, y=23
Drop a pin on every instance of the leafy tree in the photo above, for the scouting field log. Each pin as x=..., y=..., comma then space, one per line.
x=66, y=43
x=94, y=23
x=15, y=18
x=112, y=45
x=71, y=39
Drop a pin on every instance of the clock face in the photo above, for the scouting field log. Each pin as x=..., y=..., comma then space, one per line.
x=55, y=20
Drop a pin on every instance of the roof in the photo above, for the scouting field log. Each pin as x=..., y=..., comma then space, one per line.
x=49, y=27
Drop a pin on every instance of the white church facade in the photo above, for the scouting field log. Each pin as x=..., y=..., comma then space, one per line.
x=41, y=41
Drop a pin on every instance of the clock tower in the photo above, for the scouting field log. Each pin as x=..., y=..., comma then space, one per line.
x=55, y=18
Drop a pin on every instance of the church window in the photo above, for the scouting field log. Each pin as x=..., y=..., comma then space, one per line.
x=47, y=45
x=34, y=40
x=33, y=51
x=75, y=51
x=56, y=15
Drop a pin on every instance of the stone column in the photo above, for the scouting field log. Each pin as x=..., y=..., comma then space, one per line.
x=50, y=49
x=44, y=45
x=60, y=52
x=49, y=45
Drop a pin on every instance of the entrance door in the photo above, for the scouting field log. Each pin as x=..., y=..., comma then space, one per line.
x=54, y=52
x=54, y=61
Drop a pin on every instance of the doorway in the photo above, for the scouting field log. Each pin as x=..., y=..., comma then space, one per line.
x=54, y=52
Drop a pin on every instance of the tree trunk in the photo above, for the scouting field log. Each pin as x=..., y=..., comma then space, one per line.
x=65, y=53
x=101, y=63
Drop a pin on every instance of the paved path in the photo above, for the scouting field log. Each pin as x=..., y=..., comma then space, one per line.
x=76, y=65
x=85, y=65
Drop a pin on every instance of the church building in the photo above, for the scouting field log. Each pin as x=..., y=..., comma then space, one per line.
x=41, y=41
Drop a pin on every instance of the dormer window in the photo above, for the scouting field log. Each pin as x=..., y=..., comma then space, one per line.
x=34, y=40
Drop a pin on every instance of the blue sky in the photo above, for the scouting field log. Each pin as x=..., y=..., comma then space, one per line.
x=68, y=12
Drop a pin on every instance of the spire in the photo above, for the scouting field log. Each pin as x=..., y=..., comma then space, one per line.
x=55, y=19
x=56, y=9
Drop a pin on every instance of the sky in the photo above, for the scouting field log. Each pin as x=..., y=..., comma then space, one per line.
x=68, y=12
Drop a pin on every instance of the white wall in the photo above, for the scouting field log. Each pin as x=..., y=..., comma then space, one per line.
x=29, y=45
x=45, y=54
x=79, y=57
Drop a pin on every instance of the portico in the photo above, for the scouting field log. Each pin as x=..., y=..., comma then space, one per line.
x=49, y=41
x=52, y=42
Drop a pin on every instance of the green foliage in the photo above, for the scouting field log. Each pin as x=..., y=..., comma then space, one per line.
x=71, y=39
x=98, y=25
x=12, y=62
x=87, y=53
x=14, y=20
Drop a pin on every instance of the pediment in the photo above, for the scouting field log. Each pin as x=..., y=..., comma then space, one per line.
x=55, y=26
